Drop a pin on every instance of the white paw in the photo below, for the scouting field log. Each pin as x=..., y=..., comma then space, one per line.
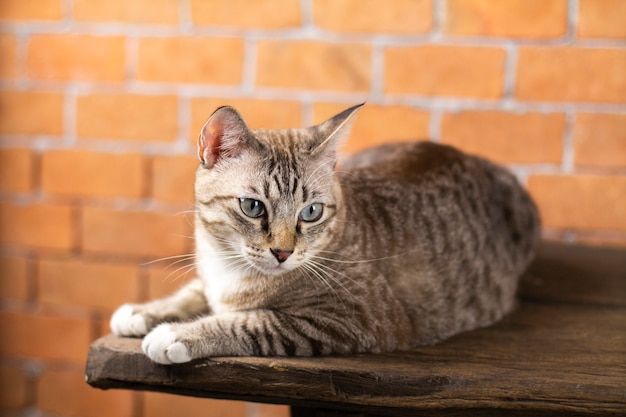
x=125, y=323
x=161, y=345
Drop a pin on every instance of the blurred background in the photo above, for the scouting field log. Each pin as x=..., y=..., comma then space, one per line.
x=101, y=102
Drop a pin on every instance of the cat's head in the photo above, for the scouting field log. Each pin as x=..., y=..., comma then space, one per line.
x=267, y=200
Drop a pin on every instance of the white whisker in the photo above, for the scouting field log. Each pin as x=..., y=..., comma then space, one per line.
x=186, y=269
x=311, y=268
x=330, y=273
x=185, y=236
x=167, y=258
x=181, y=213
x=355, y=261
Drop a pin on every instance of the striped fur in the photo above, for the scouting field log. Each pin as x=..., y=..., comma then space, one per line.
x=416, y=242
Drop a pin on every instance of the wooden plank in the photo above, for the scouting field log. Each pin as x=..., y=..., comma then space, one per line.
x=559, y=353
x=577, y=274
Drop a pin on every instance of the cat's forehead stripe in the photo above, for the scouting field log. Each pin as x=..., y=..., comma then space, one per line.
x=283, y=173
x=286, y=166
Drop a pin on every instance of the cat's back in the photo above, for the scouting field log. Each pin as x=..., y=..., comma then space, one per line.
x=464, y=227
x=424, y=179
x=411, y=162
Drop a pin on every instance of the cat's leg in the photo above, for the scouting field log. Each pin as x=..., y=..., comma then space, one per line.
x=139, y=319
x=253, y=333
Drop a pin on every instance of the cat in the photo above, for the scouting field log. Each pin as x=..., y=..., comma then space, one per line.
x=398, y=246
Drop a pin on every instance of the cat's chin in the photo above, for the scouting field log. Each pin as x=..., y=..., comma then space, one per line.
x=274, y=270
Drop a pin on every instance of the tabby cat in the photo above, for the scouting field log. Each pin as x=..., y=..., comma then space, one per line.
x=398, y=246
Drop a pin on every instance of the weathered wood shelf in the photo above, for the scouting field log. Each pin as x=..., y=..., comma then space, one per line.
x=562, y=352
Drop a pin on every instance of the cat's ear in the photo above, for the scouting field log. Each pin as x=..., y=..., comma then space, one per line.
x=224, y=135
x=333, y=132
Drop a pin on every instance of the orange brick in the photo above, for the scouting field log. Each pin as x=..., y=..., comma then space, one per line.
x=398, y=17
x=14, y=393
x=16, y=170
x=191, y=60
x=520, y=138
x=585, y=202
x=572, y=74
x=432, y=70
x=39, y=226
x=166, y=405
x=268, y=410
x=266, y=14
x=167, y=276
x=134, y=233
x=92, y=174
x=15, y=280
x=375, y=125
x=31, y=10
x=76, y=57
x=314, y=65
x=600, y=140
x=29, y=113
x=8, y=56
x=103, y=326
x=163, y=12
x=266, y=114
x=127, y=117
x=89, y=284
x=173, y=178
x=601, y=19
x=44, y=337
x=509, y=18
x=64, y=392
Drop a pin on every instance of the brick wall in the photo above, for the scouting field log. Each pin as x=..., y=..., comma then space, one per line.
x=100, y=102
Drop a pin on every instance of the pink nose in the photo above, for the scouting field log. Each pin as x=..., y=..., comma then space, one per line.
x=281, y=255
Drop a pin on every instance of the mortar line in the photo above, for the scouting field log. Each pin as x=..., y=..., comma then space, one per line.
x=378, y=73
x=434, y=124
x=250, y=58
x=67, y=11
x=567, y=164
x=572, y=20
x=70, y=103
x=439, y=18
x=307, y=14
x=309, y=31
x=184, y=124
x=185, y=21
x=510, y=75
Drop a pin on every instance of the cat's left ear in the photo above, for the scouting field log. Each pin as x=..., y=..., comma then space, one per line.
x=331, y=134
x=225, y=134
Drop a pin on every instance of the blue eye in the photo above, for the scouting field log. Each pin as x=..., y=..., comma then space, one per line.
x=312, y=212
x=251, y=207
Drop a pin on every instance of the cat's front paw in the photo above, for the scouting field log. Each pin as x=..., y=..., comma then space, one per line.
x=126, y=322
x=163, y=346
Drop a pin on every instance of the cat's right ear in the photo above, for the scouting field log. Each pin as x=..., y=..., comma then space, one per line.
x=332, y=133
x=223, y=135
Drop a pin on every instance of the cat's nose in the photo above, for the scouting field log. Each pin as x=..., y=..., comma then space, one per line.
x=281, y=255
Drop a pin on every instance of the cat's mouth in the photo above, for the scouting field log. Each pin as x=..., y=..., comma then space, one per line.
x=270, y=261
x=269, y=266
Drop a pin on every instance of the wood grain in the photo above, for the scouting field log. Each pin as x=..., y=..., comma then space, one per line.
x=562, y=352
